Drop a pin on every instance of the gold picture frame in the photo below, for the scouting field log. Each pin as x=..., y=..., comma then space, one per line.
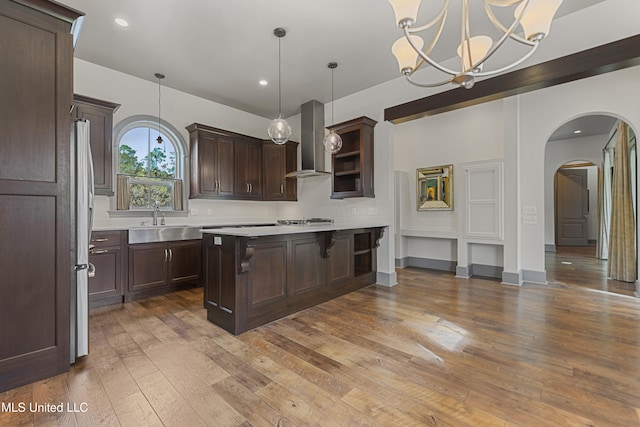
x=434, y=188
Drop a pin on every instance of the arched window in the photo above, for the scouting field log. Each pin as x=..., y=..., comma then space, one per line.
x=149, y=172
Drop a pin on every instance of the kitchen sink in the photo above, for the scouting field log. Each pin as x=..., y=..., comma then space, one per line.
x=163, y=233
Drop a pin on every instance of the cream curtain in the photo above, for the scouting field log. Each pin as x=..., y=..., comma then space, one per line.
x=622, y=245
x=177, y=195
x=122, y=193
x=604, y=205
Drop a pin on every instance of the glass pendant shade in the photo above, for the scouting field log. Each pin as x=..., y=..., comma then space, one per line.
x=279, y=130
x=480, y=45
x=332, y=142
x=405, y=54
x=537, y=22
x=405, y=9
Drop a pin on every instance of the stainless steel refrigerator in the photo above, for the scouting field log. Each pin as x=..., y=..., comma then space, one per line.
x=83, y=199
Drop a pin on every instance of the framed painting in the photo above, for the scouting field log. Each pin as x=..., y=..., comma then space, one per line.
x=434, y=188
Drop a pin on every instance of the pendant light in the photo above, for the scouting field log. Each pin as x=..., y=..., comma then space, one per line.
x=279, y=130
x=159, y=77
x=332, y=141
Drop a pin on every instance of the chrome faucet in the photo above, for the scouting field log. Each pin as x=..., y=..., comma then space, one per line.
x=156, y=209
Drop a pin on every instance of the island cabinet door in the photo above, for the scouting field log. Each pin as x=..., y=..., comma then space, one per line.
x=340, y=267
x=219, y=280
x=305, y=271
x=263, y=286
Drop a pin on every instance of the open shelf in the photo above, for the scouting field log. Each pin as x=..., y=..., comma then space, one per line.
x=353, y=165
x=362, y=253
x=351, y=172
x=341, y=154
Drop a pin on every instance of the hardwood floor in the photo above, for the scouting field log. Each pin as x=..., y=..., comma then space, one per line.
x=434, y=351
x=578, y=266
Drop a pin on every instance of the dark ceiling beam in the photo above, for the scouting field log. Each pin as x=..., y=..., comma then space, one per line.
x=587, y=63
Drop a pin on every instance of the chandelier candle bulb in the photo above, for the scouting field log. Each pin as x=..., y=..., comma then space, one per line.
x=405, y=54
x=479, y=46
x=406, y=11
x=537, y=21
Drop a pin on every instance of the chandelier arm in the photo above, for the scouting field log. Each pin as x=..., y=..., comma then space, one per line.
x=443, y=12
x=426, y=57
x=466, y=37
x=502, y=28
x=442, y=83
x=438, y=33
x=503, y=3
x=504, y=37
x=503, y=69
x=435, y=39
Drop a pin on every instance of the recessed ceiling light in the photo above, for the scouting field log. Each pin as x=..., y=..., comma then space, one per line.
x=263, y=82
x=577, y=131
x=121, y=22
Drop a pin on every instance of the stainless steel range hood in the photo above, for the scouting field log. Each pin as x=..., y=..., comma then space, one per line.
x=311, y=147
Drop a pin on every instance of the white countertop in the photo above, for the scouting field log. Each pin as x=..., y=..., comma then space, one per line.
x=286, y=229
x=115, y=227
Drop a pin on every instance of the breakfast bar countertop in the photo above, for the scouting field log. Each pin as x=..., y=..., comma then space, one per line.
x=273, y=230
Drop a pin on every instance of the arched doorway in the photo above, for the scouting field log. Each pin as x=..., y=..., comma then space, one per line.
x=575, y=240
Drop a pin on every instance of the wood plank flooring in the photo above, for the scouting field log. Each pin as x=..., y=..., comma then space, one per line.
x=578, y=266
x=432, y=351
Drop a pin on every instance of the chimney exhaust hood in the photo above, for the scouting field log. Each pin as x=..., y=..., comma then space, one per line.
x=311, y=147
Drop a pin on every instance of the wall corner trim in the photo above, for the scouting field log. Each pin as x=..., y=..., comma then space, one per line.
x=386, y=279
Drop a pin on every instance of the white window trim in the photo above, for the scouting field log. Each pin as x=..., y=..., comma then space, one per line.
x=182, y=162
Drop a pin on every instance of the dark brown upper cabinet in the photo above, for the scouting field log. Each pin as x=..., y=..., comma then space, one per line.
x=278, y=160
x=229, y=165
x=212, y=162
x=352, y=166
x=99, y=113
x=248, y=169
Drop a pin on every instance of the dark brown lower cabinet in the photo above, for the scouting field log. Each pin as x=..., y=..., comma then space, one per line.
x=107, y=285
x=156, y=268
x=253, y=281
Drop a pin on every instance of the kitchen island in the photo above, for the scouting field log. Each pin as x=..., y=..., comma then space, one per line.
x=254, y=275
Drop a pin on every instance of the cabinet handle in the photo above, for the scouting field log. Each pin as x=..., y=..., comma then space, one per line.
x=248, y=188
x=166, y=255
x=281, y=188
x=170, y=255
x=104, y=239
x=101, y=251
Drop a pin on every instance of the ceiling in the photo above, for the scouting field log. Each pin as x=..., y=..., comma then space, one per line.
x=587, y=125
x=220, y=50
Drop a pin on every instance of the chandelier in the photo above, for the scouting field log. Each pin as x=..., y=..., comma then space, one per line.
x=533, y=16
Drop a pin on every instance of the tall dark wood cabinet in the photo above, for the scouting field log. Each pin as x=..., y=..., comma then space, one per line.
x=100, y=116
x=352, y=171
x=279, y=160
x=212, y=163
x=36, y=94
